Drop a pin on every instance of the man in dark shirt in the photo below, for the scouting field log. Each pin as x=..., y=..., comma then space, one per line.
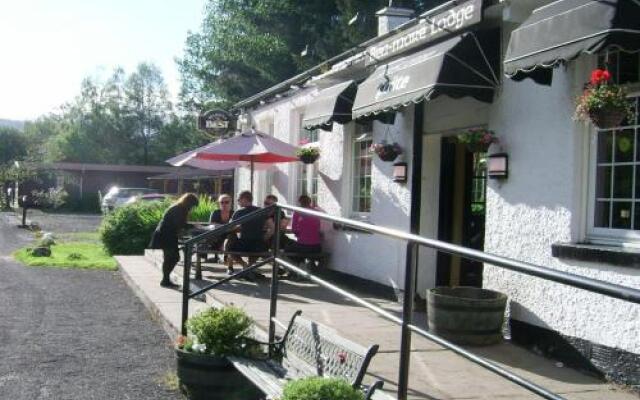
x=251, y=233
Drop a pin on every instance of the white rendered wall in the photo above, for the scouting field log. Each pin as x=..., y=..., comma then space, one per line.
x=542, y=203
x=367, y=256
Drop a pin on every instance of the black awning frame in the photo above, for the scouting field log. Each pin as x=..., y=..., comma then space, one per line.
x=428, y=90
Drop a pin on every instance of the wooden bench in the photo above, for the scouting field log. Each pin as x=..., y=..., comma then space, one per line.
x=310, y=349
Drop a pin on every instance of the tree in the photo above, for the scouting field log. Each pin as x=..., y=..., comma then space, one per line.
x=13, y=147
x=245, y=46
x=145, y=97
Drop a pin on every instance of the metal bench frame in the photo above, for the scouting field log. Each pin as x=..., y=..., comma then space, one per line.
x=308, y=349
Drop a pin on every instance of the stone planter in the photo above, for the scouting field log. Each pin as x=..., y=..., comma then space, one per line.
x=605, y=119
x=208, y=377
x=466, y=315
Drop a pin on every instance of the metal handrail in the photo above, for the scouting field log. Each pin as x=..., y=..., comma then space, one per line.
x=582, y=282
x=413, y=241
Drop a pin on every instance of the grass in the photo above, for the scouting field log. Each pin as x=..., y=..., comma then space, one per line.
x=72, y=254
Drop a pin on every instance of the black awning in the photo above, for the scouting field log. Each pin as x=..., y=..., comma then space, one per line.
x=457, y=67
x=562, y=30
x=330, y=105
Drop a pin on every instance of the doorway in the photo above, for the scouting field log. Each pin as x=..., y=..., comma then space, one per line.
x=462, y=206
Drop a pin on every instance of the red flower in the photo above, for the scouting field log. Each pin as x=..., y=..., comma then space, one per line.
x=599, y=76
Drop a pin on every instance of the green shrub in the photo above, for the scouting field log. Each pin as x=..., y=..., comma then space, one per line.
x=318, y=388
x=128, y=229
x=202, y=212
x=222, y=331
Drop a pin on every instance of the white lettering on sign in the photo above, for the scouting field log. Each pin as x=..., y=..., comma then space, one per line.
x=216, y=124
x=457, y=18
x=398, y=82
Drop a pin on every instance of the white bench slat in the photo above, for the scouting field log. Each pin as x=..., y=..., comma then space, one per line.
x=261, y=374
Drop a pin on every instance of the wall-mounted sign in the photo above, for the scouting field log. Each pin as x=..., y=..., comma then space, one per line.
x=428, y=29
x=216, y=122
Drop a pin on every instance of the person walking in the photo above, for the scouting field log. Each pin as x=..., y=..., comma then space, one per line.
x=165, y=236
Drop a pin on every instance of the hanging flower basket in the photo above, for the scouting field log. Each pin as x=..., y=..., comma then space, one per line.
x=478, y=140
x=308, y=155
x=386, y=152
x=603, y=103
x=605, y=119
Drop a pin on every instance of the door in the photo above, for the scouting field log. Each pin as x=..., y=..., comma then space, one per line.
x=461, y=212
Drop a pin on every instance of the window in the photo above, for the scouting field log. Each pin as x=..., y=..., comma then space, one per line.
x=616, y=175
x=624, y=67
x=361, y=174
x=307, y=177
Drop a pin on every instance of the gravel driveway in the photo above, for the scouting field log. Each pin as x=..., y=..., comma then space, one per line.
x=67, y=334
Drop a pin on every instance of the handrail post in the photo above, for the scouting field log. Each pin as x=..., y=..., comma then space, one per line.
x=407, y=318
x=274, y=279
x=185, y=287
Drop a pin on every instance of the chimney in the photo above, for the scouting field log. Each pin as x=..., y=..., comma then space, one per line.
x=392, y=17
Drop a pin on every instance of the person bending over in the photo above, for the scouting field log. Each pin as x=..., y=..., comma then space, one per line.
x=165, y=236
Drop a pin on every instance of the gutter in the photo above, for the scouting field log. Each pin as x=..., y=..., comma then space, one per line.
x=302, y=77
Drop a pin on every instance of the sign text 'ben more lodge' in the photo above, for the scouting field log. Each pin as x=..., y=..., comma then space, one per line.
x=428, y=29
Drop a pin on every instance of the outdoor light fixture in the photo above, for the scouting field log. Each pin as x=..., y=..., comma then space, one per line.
x=498, y=166
x=400, y=171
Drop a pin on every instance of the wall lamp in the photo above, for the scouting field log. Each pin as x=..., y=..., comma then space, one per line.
x=498, y=166
x=400, y=171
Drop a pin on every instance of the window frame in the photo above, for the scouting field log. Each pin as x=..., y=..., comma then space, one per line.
x=611, y=236
x=301, y=167
x=366, y=135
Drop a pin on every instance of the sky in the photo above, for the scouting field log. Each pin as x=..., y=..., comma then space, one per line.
x=48, y=46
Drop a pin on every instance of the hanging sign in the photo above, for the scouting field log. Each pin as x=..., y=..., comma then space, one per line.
x=216, y=122
x=428, y=29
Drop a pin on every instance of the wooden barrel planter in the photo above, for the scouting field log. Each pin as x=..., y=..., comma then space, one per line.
x=207, y=377
x=466, y=315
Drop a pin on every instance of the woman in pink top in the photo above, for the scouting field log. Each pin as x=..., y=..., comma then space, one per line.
x=307, y=230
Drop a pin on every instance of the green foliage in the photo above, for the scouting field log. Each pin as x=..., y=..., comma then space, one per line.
x=53, y=198
x=124, y=119
x=603, y=97
x=318, y=388
x=308, y=152
x=128, y=229
x=202, y=212
x=79, y=255
x=221, y=330
x=245, y=46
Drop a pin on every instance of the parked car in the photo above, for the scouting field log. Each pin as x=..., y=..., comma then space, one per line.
x=150, y=197
x=117, y=197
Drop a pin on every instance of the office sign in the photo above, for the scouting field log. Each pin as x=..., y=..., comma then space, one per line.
x=428, y=29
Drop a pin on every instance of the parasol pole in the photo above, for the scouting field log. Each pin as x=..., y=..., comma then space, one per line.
x=251, y=175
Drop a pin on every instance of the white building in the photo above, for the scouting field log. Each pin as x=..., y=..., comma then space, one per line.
x=570, y=201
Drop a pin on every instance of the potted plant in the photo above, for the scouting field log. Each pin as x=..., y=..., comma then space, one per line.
x=478, y=140
x=318, y=388
x=308, y=155
x=386, y=151
x=602, y=102
x=203, y=368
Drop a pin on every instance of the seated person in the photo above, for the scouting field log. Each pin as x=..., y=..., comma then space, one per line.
x=250, y=239
x=270, y=225
x=307, y=231
x=220, y=216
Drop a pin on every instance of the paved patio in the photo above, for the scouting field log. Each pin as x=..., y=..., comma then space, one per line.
x=436, y=373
